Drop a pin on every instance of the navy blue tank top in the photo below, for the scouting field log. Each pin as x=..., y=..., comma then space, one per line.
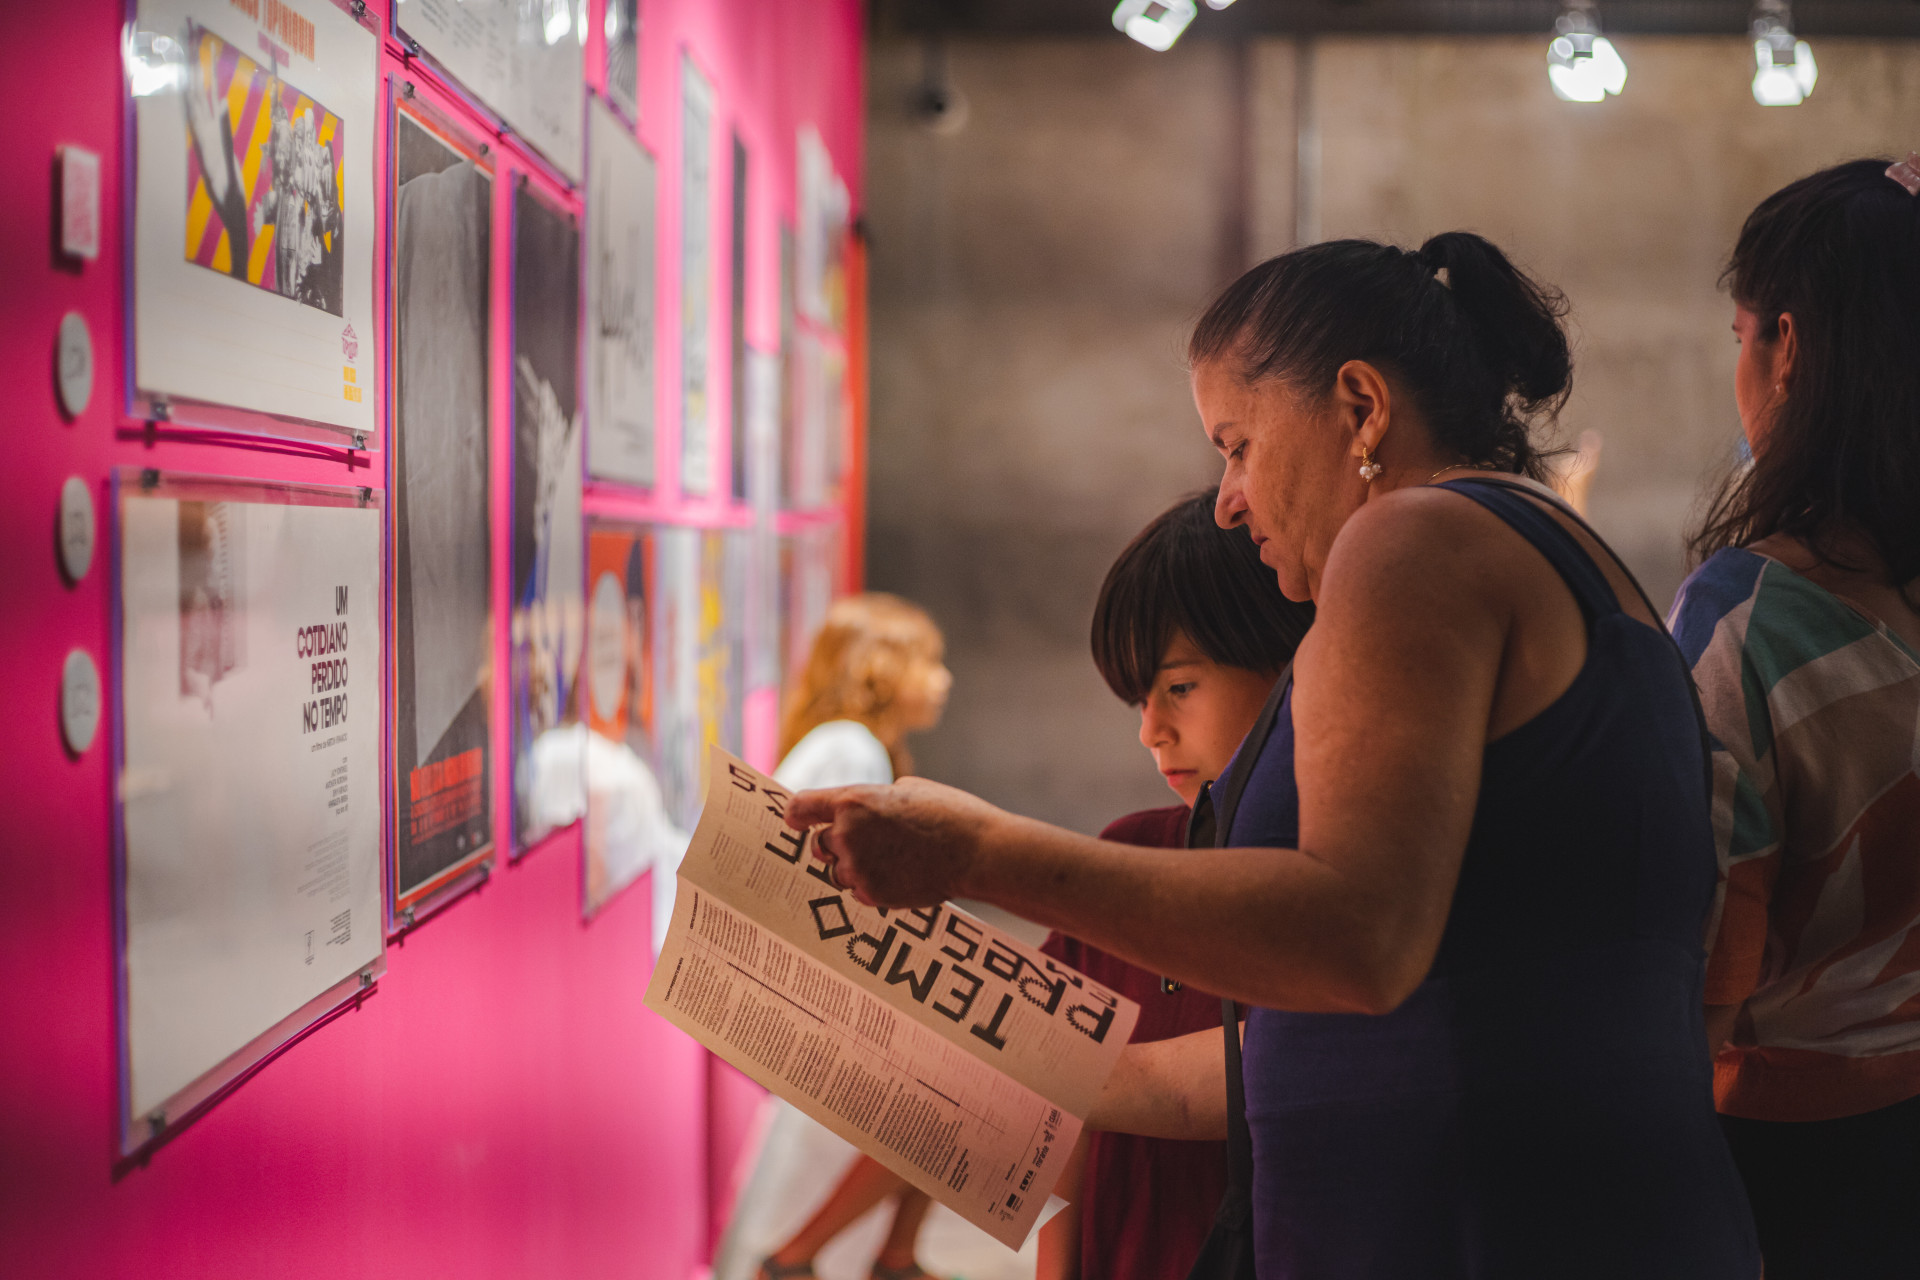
x=1541, y=1106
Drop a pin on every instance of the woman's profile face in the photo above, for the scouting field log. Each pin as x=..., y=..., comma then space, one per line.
x=1758, y=374
x=923, y=694
x=1288, y=478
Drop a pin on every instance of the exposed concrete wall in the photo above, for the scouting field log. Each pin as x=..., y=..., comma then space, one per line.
x=1629, y=205
x=1032, y=279
x=1034, y=275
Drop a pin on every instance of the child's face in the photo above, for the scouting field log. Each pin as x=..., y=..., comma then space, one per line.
x=923, y=694
x=1196, y=714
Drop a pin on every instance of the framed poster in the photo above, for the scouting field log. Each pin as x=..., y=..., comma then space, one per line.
x=807, y=587
x=789, y=362
x=548, y=572
x=442, y=546
x=720, y=643
x=676, y=661
x=762, y=450
x=252, y=232
x=697, y=280
x=623, y=56
x=524, y=60
x=825, y=218
x=737, y=319
x=622, y=313
x=628, y=829
x=249, y=776
x=819, y=423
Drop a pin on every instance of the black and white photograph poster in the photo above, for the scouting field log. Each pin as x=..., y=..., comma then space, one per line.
x=524, y=59
x=761, y=393
x=698, y=280
x=676, y=670
x=621, y=301
x=548, y=566
x=250, y=780
x=623, y=55
x=253, y=217
x=442, y=546
x=737, y=318
x=825, y=220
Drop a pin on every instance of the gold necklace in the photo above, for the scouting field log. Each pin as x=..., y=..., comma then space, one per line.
x=1471, y=466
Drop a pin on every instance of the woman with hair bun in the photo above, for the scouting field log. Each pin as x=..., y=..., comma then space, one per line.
x=1803, y=628
x=1464, y=885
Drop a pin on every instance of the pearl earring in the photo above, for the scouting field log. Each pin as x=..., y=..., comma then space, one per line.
x=1368, y=467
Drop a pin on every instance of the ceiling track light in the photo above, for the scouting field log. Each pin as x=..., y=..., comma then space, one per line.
x=1784, y=73
x=1156, y=23
x=1582, y=64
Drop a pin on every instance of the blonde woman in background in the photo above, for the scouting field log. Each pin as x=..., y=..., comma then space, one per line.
x=873, y=675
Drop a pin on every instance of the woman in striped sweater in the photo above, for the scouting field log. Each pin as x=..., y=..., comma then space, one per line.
x=1802, y=625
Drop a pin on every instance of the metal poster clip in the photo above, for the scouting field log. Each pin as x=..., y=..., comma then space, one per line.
x=150, y=478
x=359, y=8
x=486, y=870
x=366, y=979
x=157, y=1121
x=406, y=918
x=162, y=411
x=366, y=495
x=406, y=88
x=359, y=439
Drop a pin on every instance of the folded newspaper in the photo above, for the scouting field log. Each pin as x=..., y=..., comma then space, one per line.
x=959, y=1057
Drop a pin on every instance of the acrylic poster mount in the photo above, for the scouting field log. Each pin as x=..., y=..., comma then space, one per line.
x=248, y=800
x=440, y=623
x=526, y=78
x=250, y=217
x=546, y=539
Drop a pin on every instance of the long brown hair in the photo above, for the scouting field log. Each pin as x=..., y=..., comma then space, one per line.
x=857, y=667
x=1839, y=250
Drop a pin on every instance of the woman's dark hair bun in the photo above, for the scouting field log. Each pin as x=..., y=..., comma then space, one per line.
x=1517, y=319
x=1479, y=343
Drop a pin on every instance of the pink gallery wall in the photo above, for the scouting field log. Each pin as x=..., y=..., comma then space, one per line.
x=501, y=1105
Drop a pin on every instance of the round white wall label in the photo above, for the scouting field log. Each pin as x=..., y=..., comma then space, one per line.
x=76, y=528
x=79, y=701
x=76, y=364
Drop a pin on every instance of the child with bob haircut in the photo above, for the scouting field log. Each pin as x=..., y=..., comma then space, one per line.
x=1191, y=628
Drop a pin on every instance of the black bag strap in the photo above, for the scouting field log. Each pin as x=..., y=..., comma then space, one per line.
x=1212, y=815
x=1237, y=1204
x=1211, y=826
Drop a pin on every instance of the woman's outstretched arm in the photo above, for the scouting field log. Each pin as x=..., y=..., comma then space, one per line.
x=1392, y=707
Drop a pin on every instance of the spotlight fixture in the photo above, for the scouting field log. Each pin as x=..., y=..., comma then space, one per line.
x=1582, y=65
x=1784, y=73
x=556, y=20
x=1154, y=23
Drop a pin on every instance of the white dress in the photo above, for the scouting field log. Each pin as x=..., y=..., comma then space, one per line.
x=795, y=1161
x=839, y=753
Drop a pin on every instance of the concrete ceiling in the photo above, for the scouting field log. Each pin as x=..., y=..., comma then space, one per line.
x=1892, y=18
